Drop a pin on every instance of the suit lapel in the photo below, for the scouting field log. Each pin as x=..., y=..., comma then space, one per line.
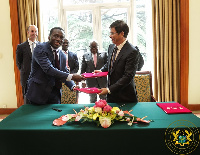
x=69, y=58
x=91, y=59
x=118, y=57
x=62, y=58
x=98, y=58
x=121, y=53
x=51, y=56
x=28, y=49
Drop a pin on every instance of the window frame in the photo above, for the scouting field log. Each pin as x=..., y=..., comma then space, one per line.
x=96, y=15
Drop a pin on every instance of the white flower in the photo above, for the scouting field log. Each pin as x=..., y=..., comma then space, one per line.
x=78, y=117
x=130, y=123
x=65, y=118
x=121, y=113
x=105, y=121
x=98, y=110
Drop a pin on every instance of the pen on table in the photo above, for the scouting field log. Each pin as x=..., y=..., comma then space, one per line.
x=59, y=110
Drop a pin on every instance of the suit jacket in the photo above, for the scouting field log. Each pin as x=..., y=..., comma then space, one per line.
x=23, y=61
x=141, y=60
x=88, y=67
x=73, y=62
x=121, y=76
x=43, y=73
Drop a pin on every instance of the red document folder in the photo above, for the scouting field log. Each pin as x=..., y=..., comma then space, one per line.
x=92, y=90
x=94, y=75
x=173, y=108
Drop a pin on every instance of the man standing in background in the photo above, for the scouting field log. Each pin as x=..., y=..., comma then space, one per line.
x=24, y=56
x=71, y=58
x=94, y=60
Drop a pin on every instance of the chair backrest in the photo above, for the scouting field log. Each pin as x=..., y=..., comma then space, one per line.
x=143, y=82
x=68, y=96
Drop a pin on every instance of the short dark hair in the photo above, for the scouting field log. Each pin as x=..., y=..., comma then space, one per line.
x=51, y=31
x=120, y=26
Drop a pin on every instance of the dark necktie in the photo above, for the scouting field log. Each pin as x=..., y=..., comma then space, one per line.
x=57, y=63
x=113, y=56
x=58, y=83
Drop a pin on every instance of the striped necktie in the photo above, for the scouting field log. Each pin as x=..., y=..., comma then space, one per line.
x=113, y=56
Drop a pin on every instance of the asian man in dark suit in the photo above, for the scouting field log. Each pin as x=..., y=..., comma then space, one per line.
x=89, y=64
x=123, y=60
x=24, y=56
x=49, y=70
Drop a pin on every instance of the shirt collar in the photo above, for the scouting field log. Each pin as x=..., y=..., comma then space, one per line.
x=30, y=42
x=66, y=52
x=121, y=45
x=54, y=49
x=94, y=54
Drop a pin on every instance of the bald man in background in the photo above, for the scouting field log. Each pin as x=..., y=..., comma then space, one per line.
x=24, y=55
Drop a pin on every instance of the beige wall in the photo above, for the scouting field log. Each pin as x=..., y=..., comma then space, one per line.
x=7, y=77
x=194, y=55
x=7, y=81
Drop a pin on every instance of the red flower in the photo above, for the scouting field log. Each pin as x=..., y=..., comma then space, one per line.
x=100, y=103
x=107, y=108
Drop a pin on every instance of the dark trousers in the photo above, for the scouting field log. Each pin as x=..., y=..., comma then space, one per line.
x=54, y=97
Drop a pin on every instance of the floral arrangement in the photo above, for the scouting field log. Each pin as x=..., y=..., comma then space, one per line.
x=101, y=113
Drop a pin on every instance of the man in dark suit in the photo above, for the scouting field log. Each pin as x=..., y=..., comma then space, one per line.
x=72, y=59
x=123, y=59
x=91, y=61
x=24, y=55
x=49, y=70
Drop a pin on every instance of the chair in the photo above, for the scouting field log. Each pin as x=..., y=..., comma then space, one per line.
x=143, y=82
x=68, y=96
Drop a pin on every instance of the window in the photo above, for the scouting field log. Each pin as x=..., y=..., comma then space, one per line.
x=84, y=20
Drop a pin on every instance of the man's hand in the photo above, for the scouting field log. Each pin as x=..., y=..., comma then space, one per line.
x=104, y=91
x=78, y=78
x=83, y=85
x=76, y=87
x=97, y=71
x=68, y=68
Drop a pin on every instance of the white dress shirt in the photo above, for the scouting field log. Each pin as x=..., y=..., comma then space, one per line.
x=32, y=44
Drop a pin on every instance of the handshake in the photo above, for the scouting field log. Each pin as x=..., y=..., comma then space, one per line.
x=78, y=78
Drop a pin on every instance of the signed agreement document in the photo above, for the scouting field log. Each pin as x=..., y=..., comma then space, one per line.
x=173, y=108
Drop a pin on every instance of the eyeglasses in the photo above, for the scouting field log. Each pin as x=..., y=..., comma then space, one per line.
x=112, y=33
